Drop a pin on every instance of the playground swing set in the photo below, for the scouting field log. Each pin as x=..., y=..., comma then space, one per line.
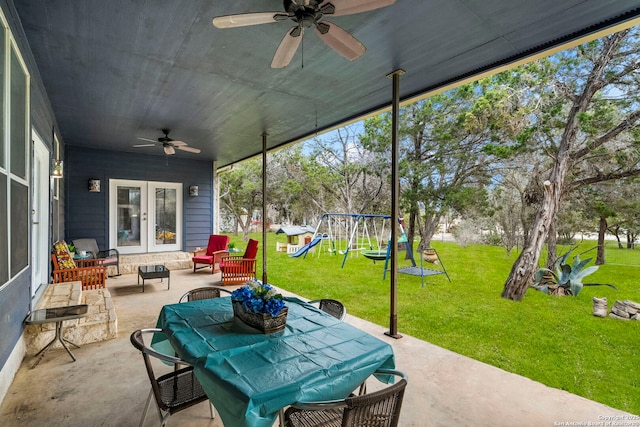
x=352, y=233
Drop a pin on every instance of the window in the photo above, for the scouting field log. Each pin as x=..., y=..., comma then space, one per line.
x=14, y=156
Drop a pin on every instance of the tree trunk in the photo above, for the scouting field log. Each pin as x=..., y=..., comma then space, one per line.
x=428, y=231
x=616, y=233
x=414, y=220
x=602, y=229
x=524, y=268
x=552, y=246
x=521, y=275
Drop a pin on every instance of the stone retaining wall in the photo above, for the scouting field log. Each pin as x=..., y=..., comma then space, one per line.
x=100, y=324
x=172, y=260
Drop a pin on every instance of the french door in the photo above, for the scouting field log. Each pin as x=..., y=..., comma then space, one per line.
x=145, y=216
x=40, y=249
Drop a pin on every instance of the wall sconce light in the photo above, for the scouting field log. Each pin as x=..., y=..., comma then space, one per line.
x=193, y=191
x=57, y=169
x=94, y=186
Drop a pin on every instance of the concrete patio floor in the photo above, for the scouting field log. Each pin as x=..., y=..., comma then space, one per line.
x=108, y=386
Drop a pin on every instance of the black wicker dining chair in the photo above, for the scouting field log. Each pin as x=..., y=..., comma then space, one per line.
x=378, y=409
x=201, y=293
x=331, y=306
x=174, y=391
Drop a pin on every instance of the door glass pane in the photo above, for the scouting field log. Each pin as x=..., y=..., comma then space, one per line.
x=128, y=223
x=165, y=220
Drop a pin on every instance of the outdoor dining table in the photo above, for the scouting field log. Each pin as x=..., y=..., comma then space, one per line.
x=249, y=376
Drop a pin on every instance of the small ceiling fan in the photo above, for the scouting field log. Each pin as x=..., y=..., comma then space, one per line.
x=169, y=145
x=306, y=14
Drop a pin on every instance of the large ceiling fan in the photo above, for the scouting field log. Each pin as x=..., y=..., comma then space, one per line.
x=169, y=145
x=306, y=14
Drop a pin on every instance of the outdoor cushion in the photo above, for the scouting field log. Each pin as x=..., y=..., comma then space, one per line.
x=203, y=259
x=63, y=255
x=212, y=255
x=252, y=249
x=217, y=242
x=110, y=260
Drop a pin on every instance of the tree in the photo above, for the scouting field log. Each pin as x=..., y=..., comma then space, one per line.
x=587, y=117
x=241, y=193
x=353, y=175
x=624, y=204
x=442, y=164
x=506, y=202
x=293, y=187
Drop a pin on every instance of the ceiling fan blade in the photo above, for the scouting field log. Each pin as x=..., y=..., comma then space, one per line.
x=177, y=143
x=168, y=149
x=349, y=7
x=340, y=40
x=244, y=19
x=187, y=148
x=288, y=47
x=144, y=145
x=147, y=139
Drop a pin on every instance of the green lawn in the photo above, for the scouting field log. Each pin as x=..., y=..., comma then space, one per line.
x=556, y=341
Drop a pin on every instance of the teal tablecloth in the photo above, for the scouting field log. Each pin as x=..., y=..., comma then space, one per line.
x=249, y=376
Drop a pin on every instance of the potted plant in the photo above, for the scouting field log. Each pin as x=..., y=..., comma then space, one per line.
x=430, y=255
x=260, y=306
x=567, y=278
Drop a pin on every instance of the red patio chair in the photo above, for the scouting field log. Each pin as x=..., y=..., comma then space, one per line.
x=240, y=269
x=212, y=255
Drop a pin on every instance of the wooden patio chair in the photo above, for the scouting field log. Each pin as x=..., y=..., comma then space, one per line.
x=212, y=255
x=91, y=272
x=240, y=269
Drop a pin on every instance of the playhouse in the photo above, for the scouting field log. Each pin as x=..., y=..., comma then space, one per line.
x=297, y=237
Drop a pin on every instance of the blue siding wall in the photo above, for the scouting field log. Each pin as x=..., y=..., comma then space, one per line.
x=14, y=306
x=87, y=213
x=15, y=297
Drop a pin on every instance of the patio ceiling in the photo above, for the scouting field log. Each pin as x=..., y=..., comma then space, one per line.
x=115, y=71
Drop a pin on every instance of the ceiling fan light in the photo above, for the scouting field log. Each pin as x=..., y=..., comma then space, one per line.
x=168, y=149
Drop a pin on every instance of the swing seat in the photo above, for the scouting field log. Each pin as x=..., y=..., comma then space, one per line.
x=420, y=271
x=414, y=269
x=376, y=255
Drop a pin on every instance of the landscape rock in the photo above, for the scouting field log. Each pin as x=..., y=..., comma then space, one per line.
x=623, y=310
x=600, y=307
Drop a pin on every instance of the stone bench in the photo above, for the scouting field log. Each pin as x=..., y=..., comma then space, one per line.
x=100, y=324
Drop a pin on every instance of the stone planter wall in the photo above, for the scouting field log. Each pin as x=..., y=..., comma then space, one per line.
x=100, y=324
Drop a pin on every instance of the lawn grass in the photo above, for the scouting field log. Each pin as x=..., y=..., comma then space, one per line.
x=555, y=341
